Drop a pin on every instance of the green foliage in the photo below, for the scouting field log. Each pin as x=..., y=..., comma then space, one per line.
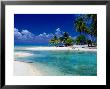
x=61, y=39
x=69, y=41
x=65, y=35
x=81, y=39
x=93, y=27
x=80, y=25
x=82, y=28
x=54, y=41
x=65, y=39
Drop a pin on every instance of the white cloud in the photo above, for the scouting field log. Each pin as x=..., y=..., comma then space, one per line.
x=58, y=32
x=25, y=32
x=15, y=30
x=24, y=35
x=50, y=35
x=58, y=29
x=17, y=34
x=27, y=36
x=44, y=37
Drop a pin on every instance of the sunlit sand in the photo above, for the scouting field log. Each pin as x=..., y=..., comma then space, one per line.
x=22, y=54
x=25, y=69
x=71, y=48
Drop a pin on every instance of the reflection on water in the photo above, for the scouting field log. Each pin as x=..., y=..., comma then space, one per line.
x=62, y=62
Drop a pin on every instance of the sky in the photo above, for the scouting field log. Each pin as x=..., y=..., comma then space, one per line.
x=40, y=28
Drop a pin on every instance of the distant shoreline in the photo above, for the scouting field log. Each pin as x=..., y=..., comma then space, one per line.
x=52, y=48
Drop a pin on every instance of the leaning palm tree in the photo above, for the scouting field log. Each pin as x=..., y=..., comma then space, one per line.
x=80, y=25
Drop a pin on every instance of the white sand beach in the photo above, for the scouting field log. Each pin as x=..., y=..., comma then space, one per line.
x=22, y=54
x=25, y=69
x=33, y=69
x=71, y=48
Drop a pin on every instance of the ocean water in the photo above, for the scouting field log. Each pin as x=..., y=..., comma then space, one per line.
x=61, y=63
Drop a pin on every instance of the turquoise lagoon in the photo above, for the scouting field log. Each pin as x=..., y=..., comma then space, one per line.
x=61, y=63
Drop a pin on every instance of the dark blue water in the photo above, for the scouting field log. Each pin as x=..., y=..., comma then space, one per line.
x=62, y=62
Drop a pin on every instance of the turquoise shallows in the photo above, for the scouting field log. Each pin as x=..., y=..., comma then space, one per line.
x=61, y=63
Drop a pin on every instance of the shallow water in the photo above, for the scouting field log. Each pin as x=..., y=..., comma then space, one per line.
x=62, y=63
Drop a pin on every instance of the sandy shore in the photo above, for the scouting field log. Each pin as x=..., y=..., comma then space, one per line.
x=71, y=48
x=29, y=69
x=25, y=69
x=22, y=54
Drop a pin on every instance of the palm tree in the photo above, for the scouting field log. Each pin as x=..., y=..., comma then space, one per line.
x=93, y=27
x=65, y=35
x=66, y=39
x=61, y=39
x=81, y=39
x=54, y=41
x=80, y=25
x=69, y=41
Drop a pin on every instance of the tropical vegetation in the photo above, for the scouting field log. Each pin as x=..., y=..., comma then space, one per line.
x=65, y=40
x=83, y=28
x=81, y=40
x=87, y=32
